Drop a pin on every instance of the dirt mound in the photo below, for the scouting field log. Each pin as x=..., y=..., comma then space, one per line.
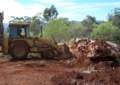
x=95, y=50
x=101, y=73
x=98, y=61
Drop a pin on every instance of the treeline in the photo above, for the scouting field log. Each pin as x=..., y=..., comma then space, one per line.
x=47, y=25
x=63, y=29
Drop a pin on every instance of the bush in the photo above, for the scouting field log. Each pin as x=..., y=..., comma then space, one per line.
x=106, y=31
x=62, y=29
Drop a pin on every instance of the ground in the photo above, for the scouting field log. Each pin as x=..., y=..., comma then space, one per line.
x=53, y=72
x=31, y=72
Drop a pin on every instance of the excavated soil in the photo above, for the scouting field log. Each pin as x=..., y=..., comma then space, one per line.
x=86, y=67
x=52, y=72
x=32, y=72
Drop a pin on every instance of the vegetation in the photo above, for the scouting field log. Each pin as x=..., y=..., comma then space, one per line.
x=61, y=29
x=36, y=25
x=88, y=24
x=115, y=17
x=106, y=31
x=50, y=13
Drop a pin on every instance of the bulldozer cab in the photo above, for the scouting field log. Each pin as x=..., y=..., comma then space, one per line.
x=18, y=30
x=17, y=44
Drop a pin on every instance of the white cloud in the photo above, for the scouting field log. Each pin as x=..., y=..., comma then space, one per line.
x=66, y=8
x=14, y=8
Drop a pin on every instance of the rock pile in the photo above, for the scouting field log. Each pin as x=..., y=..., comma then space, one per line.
x=97, y=50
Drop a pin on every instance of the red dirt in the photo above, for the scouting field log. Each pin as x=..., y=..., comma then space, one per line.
x=79, y=70
x=31, y=72
x=51, y=72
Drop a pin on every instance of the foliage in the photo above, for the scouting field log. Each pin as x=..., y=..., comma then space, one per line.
x=106, y=31
x=88, y=24
x=89, y=20
x=62, y=29
x=115, y=17
x=50, y=13
x=36, y=25
x=76, y=30
x=116, y=20
x=57, y=28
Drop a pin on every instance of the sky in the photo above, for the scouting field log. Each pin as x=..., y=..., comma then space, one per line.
x=72, y=9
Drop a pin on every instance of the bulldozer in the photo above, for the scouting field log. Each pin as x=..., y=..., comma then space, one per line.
x=19, y=43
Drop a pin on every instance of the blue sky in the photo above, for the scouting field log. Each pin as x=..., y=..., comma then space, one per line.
x=72, y=9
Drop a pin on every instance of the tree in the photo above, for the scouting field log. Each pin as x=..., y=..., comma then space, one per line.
x=90, y=20
x=58, y=29
x=76, y=29
x=106, y=31
x=46, y=14
x=115, y=17
x=62, y=29
x=50, y=13
x=36, y=26
x=116, y=20
x=88, y=24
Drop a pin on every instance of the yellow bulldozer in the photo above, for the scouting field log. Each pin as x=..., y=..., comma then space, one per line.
x=19, y=44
